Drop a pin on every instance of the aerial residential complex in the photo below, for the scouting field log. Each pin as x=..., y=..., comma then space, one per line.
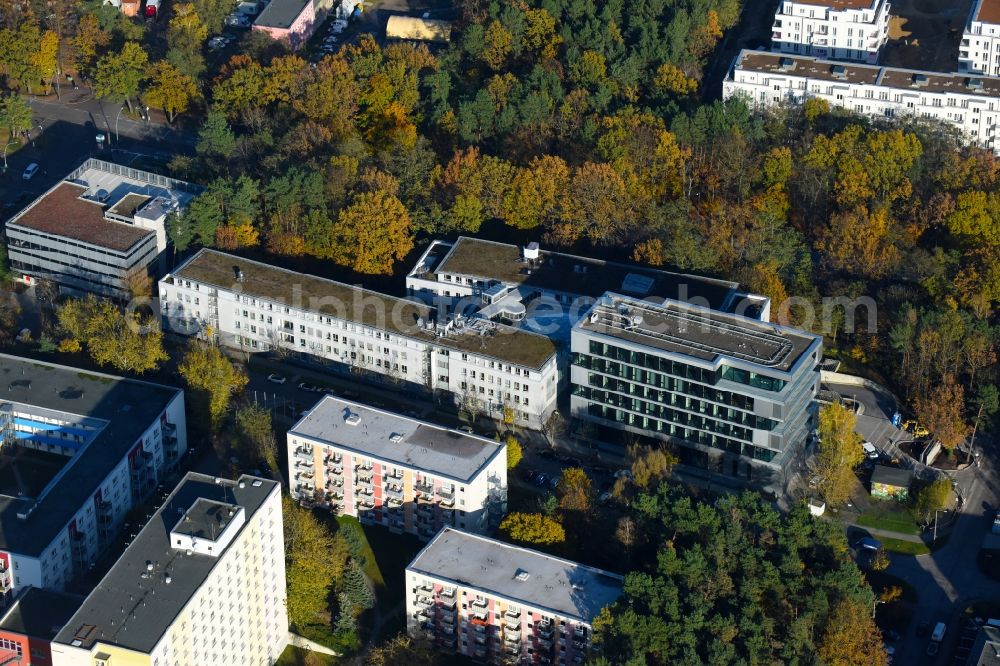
x=835, y=29
x=979, y=52
x=392, y=470
x=78, y=450
x=736, y=394
x=502, y=280
x=103, y=223
x=483, y=366
x=500, y=603
x=202, y=583
x=969, y=103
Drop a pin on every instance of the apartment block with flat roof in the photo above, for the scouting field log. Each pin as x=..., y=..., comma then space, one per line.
x=202, y=583
x=979, y=51
x=486, y=368
x=78, y=450
x=503, y=604
x=28, y=626
x=392, y=470
x=505, y=280
x=835, y=29
x=96, y=228
x=969, y=103
x=735, y=395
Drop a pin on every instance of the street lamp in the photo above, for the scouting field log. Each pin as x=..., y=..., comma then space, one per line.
x=5, y=153
x=116, y=122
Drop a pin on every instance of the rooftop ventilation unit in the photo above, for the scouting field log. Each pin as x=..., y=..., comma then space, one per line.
x=531, y=251
x=352, y=419
x=839, y=71
x=395, y=438
x=521, y=575
x=919, y=80
x=974, y=84
x=786, y=64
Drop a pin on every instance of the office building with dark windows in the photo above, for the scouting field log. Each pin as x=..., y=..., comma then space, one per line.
x=734, y=395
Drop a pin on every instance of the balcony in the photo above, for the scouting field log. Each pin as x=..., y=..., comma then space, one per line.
x=545, y=630
x=446, y=495
x=448, y=502
x=479, y=603
x=424, y=601
x=394, y=503
x=303, y=454
x=447, y=593
x=305, y=463
x=424, y=487
x=335, y=459
x=394, y=491
x=336, y=470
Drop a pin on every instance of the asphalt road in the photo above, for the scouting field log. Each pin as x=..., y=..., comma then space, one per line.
x=949, y=579
x=63, y=135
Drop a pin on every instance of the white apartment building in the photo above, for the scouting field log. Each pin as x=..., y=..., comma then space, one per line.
x=834, y=29
x=388, y=469
x=96, y=227
x=735, y=395
x=971, y=104
x=202, y=583
x=498, y=603
x=485, y=367
x=979, y=52
x=82, y=448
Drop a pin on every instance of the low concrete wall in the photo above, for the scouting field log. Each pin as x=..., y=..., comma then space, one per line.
x=306, y=644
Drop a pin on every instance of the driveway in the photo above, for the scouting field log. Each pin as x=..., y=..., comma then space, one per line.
x=949, y=579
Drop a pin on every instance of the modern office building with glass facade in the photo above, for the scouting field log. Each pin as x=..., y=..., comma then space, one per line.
x=736, y=395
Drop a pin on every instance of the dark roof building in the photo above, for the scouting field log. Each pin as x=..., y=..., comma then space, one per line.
x=81, y=449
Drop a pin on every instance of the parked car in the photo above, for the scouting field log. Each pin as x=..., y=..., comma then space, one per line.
x=529, y=475
x=308, y=388
x=554, y=482
x=870, y=451
x=932, y=648
x=623, y=473
x=604, y=497
x=890, y=635
x=541, y=480
x=217, y=43
x=868, y=543
x=338, y=26
x=275, y=378
x=938, y=634
x=30, y=171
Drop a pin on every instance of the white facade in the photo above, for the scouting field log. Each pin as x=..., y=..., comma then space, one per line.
x=484, y=366
x=388, y=469
x=222, y=606
x=979, y=51
x=500, y=604
x=840, y=30
x=970, y=104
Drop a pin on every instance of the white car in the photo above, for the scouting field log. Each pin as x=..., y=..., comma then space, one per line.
x=338, y=26
x=276, y=378
x=30, y=171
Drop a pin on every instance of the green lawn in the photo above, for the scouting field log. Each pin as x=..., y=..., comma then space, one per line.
x=894, y=521
x=358, y=537
x=904, y=547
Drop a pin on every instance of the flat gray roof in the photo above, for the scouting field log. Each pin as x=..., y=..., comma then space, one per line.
x=132, y=607
x=352, y=303
x=568, y=588
x=986, y=650
x=892, y=476
x=698, y=332
x=206, y=519
x=567, y=273
x=281, y=13
x=40, y=613
x=129, y=406
x=421, y=445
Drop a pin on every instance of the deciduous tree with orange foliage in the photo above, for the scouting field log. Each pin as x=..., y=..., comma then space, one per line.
x=851, y=637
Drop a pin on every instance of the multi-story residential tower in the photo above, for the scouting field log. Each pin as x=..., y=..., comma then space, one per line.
x=202, y=583
x=735, y=394
x=979, y=52
x=78, y=450
x=483, y=366
x=503, y=604
x=834, y=29
x=392, y=470
x=98, y=227
x=969, y=103
x=503, y=280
